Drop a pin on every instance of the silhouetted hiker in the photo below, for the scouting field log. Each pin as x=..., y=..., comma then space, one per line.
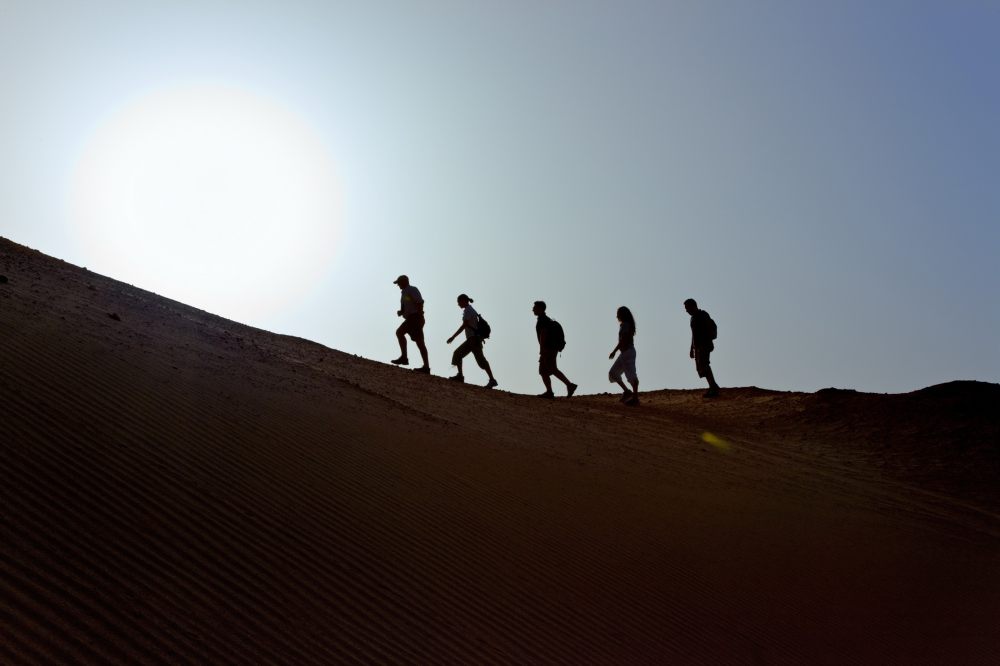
x=625, y=363
x=703, y=332
x=551, y=341
x=473, y=342
x=411, y=309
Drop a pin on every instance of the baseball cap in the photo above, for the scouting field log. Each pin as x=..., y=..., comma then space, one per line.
x=401, y=278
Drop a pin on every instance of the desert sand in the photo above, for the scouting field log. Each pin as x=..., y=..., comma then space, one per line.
x=179, y=488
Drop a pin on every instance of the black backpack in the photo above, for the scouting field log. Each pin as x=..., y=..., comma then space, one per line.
x=483, y=328
x=554, y=337
x=710, y=327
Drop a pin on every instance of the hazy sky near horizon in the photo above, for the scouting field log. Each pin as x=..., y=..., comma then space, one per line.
x=823, y=177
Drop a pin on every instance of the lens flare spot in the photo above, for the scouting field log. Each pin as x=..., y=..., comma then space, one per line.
x=716, y=441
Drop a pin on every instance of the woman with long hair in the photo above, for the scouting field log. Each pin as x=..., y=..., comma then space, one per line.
x=625, y=363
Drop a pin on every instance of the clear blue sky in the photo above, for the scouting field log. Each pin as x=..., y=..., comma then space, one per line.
x=823, y=177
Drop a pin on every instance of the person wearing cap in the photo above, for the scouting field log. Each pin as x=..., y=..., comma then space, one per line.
x=473, y=343
x=411, y=309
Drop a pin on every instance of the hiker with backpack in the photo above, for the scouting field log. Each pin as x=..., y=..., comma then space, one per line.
x=476, y=331
x=551, y=341
x=411, y=309
x=703, y=333
x=625, y=363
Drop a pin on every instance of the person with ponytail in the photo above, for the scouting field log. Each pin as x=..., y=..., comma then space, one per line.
x=473, y=342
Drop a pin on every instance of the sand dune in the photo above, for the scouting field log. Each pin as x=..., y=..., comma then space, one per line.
x=178, y=488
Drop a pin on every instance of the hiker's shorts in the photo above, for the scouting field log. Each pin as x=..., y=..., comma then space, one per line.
x=702, y=361
x=472, y=346
x=625, y=363
x=412, y=326
x=547, y=362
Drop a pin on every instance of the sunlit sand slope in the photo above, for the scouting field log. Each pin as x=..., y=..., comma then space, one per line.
x=181, y=488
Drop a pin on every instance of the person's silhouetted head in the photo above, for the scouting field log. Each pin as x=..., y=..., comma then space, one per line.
x=538, y=308
x=464, y=300
x=691, y=306
x=402, y=281
x=625, y=317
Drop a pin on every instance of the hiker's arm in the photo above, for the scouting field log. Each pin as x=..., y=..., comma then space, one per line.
x=615, y=350
x=460, y=329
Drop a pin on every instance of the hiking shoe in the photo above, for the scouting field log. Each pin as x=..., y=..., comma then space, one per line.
x=570, y=390
x=633, y=401
x=626, y=396
x=402, y=360
x=548, y=395
x=711, y=393
x=423, y=369
x=491, y=383
x=458, y=378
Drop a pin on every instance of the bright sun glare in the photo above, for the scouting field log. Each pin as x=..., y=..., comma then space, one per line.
x=209, y=195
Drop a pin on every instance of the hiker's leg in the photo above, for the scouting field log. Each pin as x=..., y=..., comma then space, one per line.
x=461, y=352
x=710, y=376
x=477, y=352
x=417, y=335
x=703, y=361
x=401, y=336
x=547, y=380
x=615, y=373
x=629, y=367
x=546, y=365
x=561, y=377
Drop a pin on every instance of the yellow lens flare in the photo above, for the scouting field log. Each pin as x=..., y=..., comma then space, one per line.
x=716, y=441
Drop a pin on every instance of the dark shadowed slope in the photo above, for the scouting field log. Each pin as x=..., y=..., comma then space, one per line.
x=180, y=488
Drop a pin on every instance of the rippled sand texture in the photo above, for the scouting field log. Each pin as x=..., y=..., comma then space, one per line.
x=180, y=488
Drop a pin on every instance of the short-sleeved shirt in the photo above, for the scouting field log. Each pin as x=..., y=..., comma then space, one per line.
x=410, y=301
x=542, y=326
x=626, y=337
x=471, y=319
